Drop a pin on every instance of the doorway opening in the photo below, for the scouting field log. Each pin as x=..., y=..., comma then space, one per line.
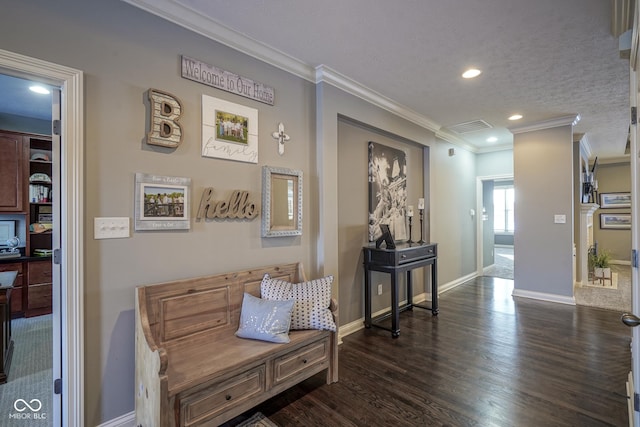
x=67, y=276
x=496, y=226
x=33, y=361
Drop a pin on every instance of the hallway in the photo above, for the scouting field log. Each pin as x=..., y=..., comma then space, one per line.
x=503, y=265
x=518, y=362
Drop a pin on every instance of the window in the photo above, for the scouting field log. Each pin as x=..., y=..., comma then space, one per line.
x=503, y=209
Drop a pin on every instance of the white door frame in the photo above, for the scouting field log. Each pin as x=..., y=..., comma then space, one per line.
x=70, y=317
x=479, y=221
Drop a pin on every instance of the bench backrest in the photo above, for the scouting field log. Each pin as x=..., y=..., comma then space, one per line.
x=208, y=305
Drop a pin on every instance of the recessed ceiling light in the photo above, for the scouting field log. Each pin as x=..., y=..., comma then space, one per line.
x=492, y=139
x=515, y=117
x=39, y=89
x=471, y=73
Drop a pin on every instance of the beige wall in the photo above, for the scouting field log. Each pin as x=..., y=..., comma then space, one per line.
x=613, y=178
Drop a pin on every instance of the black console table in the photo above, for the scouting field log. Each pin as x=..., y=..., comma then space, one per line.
x=405, y=257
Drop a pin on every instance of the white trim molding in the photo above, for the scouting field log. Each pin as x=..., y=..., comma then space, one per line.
x=126, y=420
x=572, y=120
x=561, y=299
x=184, y=16
x=358, y=324
x=71, y=314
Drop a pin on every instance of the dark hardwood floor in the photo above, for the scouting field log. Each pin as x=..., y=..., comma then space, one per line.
x=487, y=359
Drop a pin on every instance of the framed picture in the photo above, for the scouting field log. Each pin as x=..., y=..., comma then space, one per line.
x=229, y=130
x=161, y=202
x=387, y=191
x=615, y=200
x=615, y=221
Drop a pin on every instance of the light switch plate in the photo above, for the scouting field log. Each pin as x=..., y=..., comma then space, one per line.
x=110, y=228
x=560, y=219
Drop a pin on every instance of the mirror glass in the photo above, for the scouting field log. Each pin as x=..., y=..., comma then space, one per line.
x=281, y=202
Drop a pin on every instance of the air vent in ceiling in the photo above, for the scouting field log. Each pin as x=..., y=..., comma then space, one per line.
x=472, y=126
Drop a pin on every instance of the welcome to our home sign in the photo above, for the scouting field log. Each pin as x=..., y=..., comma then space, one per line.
x=210, y=75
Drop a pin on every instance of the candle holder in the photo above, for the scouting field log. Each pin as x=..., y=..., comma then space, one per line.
x=410, y=241
x=421, y=241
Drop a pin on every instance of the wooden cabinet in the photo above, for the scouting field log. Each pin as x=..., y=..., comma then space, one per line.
x=12, y=172
x=39, y=288
x=26, y=187
x=17, y=309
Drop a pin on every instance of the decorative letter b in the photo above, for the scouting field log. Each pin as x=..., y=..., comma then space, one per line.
x=166, y=110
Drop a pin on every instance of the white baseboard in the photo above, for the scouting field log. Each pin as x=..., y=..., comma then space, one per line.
x=562, y=299
x=620, y=262
x=455, y=283
x=126, y=420
x=358, y=324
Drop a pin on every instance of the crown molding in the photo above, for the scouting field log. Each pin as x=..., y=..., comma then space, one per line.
x=546, y=124
x=179, y=14
x=503, y=147
x=184, y=16
x=626, y=159
x=447, y=136
x=347, y=84
x=586, y=146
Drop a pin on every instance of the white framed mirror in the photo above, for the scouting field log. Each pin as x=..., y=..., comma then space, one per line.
x=281, y=202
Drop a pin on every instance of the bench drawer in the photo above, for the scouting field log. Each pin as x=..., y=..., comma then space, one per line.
x=219, y=397
x=299, y=361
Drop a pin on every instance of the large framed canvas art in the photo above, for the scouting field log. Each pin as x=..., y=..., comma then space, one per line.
x=387, y=191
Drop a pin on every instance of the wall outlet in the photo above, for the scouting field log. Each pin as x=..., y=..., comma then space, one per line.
x=379, y=288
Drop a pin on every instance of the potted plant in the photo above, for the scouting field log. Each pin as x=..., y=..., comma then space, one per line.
x=601, y=264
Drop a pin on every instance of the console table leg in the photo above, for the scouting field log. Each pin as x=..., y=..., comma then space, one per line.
x=434, y=289
x=367, y=298
x=395, y=313
x=409, y=290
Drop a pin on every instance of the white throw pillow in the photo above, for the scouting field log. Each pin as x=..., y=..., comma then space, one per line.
x=312, y=299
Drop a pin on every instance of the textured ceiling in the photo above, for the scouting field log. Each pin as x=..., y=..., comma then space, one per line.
x=544, y=59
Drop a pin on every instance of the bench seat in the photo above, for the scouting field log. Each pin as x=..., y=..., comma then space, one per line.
x=191, y=369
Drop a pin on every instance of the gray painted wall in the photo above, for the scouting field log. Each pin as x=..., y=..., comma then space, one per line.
x=454, y=195
x=543, y=178
x=352, y=215
x=495, y=163
x=124, y=52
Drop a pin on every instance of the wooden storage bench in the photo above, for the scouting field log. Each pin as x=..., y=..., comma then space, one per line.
x=191, y=370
